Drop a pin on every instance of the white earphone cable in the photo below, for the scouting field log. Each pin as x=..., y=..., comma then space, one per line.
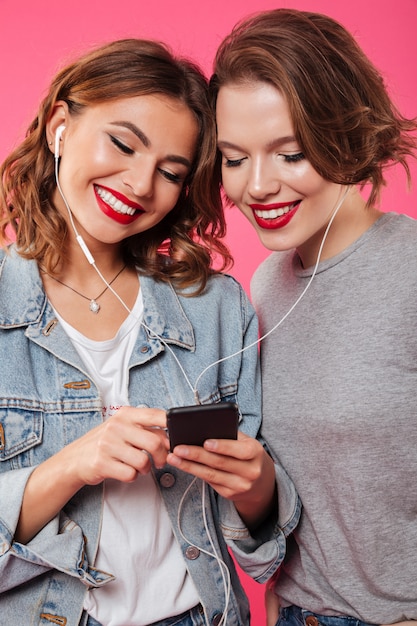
x=223, y=567
x=295, y=303
x=224, y=570
x=194, y=388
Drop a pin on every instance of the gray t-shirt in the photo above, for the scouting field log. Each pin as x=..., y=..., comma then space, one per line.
x=340, y=391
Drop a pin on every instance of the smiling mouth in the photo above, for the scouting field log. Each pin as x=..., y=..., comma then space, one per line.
x=117, y=205
x=273, y=213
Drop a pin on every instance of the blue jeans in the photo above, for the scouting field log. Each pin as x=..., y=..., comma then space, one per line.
x=194, y=617
x=294, y=616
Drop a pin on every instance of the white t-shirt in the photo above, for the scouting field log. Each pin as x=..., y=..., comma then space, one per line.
x=137, y=544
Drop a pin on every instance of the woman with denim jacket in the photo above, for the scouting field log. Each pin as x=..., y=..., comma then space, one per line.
x=304, y=122
x=110, y=314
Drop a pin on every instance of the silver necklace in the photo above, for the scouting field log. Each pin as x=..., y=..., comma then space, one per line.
x=94, y=305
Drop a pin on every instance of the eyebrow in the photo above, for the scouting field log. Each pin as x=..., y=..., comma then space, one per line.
x=174, y=158
x=274, y=143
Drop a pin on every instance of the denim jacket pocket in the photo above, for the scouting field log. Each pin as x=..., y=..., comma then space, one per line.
x=21, y=431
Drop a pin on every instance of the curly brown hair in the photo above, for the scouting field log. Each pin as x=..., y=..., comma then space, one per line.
x=344, y=120
x=183, y=246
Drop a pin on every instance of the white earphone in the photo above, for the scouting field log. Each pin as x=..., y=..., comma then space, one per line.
x=58, y=136
x=80, y=240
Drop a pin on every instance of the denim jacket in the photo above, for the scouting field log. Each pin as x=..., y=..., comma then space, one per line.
x=47, y=400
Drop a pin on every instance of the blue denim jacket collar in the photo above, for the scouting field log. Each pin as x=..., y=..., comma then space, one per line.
x=163, y=312
x=27, y=303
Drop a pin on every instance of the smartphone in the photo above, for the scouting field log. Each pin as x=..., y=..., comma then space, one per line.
x=192, y=425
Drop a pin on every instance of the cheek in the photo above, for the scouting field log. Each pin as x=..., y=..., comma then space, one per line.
x=232, y=184
x=167, y=198
x=84, y=165
x=305, y=179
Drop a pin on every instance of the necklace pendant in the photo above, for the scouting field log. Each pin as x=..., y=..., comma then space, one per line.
x=94, y=306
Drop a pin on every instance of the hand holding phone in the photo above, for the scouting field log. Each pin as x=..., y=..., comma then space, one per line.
x=192, y=425
x=242, y=472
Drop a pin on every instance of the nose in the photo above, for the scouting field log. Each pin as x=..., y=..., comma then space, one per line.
x=264, y=179
x=140, y=178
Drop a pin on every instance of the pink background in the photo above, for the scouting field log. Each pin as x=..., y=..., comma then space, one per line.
x=37, y=37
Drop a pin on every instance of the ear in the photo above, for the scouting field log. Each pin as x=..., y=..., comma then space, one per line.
x=58, y=117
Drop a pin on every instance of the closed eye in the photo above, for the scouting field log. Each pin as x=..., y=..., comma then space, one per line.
x=234, y=162
x=170, y=177
x=293, y=158
x=122, y=146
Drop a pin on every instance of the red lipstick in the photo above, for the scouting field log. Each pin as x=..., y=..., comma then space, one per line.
x=274, y=221
x=117, y=216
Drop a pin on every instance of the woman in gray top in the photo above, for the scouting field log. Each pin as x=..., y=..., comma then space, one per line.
x=304, y=122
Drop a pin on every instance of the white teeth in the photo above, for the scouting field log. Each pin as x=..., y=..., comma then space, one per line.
x=116, y=205
x=272, y=214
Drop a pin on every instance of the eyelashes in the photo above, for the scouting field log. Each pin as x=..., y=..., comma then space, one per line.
x=119, y=144
x=171, y=177
x=293, y=158
x=234, y=162
x=288, y=158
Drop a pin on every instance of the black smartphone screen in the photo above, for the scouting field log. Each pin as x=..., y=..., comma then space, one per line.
x=194, y=424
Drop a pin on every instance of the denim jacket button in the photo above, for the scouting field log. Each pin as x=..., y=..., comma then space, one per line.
x=311, y=620
x=144, y=349
x=167, y=480
x=192, y=553
x=216, y=619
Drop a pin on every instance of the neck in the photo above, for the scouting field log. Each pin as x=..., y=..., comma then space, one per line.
x=351, y=221
x=107, y=258
x=78, y=262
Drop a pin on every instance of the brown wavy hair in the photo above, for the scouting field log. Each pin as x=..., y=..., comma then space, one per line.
x=344, y=120
x=183, y=246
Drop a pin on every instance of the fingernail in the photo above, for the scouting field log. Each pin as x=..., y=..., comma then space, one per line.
x=173, y=460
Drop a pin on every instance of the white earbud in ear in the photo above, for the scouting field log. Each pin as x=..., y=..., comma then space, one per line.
x=58, y=136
